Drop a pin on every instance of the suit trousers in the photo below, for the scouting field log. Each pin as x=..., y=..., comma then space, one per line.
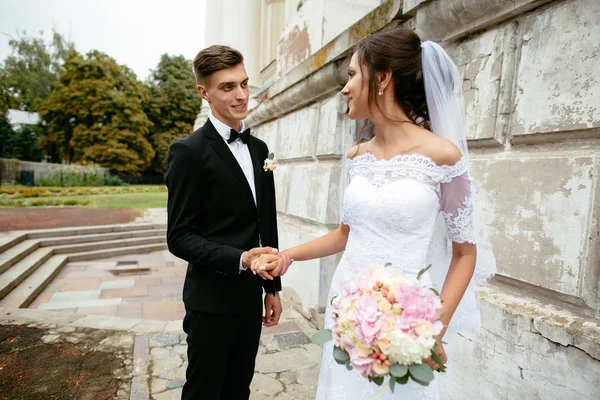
x=222, y=350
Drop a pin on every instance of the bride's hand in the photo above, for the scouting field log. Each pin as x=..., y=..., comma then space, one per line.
x=273, y=265
x=441, y=353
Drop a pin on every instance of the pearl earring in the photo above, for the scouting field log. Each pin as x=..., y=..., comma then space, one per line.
x=380, y=93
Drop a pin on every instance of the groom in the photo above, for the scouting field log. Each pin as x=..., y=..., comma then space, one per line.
x=221, y=218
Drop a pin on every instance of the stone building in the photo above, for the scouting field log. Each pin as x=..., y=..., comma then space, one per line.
x=532, y=92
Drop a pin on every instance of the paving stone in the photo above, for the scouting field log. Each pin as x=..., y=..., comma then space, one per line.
x=149, y=326
x=118, y=284
x=176, y=384
x=158, y=385
x=175, y=326
x=315, y=351
x=266, y=385
x=75, y=296
x=163, y=339
x=309, y=377
x=288, y=377
x=174, y=374
x=139, y=388
x=163, y=365
x=283, y=361
x=50, y=338
x=283, y=396
x=292, y=339
x=161, y=353
x=63, y=305
x=301, y=392
x=65, y=329
x=121, y=340
x=173, y=394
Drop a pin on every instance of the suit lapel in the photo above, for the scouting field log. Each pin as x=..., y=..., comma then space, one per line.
x=227, y=156
x=257, y=163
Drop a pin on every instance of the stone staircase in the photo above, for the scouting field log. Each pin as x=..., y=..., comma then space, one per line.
x=30, y=260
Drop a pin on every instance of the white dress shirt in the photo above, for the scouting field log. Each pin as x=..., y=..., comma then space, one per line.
x=241, y=153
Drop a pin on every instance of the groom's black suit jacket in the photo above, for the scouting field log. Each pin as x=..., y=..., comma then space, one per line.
x=212, y=219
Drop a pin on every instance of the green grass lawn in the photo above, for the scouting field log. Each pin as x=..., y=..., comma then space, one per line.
x=127, y=200
x=125, y=197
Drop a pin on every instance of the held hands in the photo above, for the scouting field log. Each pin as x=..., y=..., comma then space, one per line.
x=269, y=265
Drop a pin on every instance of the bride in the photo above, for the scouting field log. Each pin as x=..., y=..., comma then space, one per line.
x=409, y=196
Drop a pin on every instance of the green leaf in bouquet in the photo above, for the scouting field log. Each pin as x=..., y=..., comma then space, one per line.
x=403, y=380
x=398, y=371
x=421, y=372
x=348, y=365
x=378, y=380
x=435, y=291
x=392, y=384
x=321, y=337
x=421, y=382
x=421, y=272
x=271, y=156
x=389, y=264
x=438, y=361
x=340, y=355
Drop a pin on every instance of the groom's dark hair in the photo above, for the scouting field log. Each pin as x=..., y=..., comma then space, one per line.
x=213, y=59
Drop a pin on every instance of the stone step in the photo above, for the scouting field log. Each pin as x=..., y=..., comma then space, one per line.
x=16, y=253
x=115, y=252
x=84, y=247
x=22, y=295
x=99, y=237
x=88, y=230
x=20, y=285
x=10, y=241
x=21, y=270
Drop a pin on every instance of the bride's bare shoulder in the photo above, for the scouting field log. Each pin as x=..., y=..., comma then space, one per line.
x=442, y=151
x=356, y=151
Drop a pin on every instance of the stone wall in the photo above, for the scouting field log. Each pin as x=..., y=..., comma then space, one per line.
x=532, y=93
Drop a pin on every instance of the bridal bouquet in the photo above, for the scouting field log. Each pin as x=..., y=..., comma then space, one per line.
x=384, y=324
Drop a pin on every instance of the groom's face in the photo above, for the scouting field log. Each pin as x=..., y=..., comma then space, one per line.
x=227, y=93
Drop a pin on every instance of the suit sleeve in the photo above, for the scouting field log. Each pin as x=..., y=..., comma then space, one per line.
x=183, y=207
x=275, y=284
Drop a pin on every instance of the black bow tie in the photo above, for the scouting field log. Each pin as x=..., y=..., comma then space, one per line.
x=235, y=135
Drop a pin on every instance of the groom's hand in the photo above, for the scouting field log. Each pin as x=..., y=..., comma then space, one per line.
x=250, y=259
x=273, y=309
x=274, y=265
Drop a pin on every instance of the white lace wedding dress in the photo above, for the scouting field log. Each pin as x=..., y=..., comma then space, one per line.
x=406, y=211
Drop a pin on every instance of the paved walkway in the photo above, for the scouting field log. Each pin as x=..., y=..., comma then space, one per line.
x=286, y=369
x=136, y=302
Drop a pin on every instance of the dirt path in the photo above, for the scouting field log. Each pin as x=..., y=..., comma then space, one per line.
x=34, y=370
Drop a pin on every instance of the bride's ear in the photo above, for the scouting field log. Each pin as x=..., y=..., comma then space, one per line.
x=383, y=80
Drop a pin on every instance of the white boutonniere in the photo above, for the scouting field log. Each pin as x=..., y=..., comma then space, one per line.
x=269, y=165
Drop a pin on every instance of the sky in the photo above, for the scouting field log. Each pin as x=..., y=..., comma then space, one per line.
x=134, y=32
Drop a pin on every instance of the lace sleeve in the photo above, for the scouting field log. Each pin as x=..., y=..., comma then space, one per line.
x=456, y=203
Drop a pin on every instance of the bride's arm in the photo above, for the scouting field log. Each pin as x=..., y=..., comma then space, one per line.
x=326, y=245
x=457, y=280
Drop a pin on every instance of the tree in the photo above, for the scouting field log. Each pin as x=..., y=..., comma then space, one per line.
x=27, y=75
x=172, y=107
x=6, y=132
x=94, y=115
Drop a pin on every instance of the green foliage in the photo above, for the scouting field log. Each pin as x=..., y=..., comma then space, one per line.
x=21, y=144
x=94, y=114
x=172, y=107
x=6, y=132
x=27, y=75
